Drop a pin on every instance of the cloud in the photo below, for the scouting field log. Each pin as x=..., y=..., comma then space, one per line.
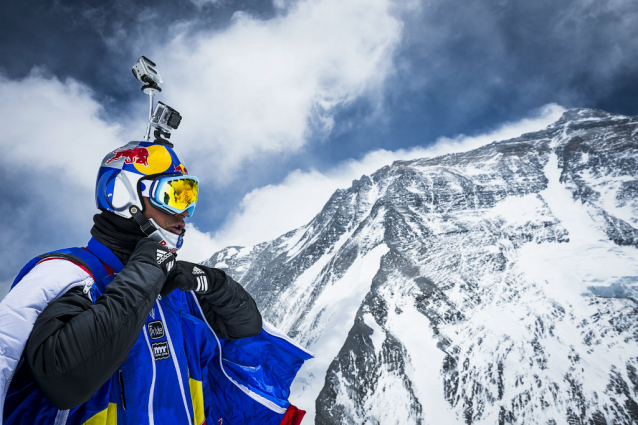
x=54, y=126
x=53, y=140
x=256, y=87
x=198, y=245
x=265, y=87
x=459, y=67
x=270, y=211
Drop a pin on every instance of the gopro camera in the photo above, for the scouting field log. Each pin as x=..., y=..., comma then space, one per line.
x=165, y=118
x=146, y=71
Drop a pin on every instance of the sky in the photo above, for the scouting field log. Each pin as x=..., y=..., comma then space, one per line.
x=283, y=102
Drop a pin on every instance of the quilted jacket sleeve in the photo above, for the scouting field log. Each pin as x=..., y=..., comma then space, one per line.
x=230, y=310
x=76, y=346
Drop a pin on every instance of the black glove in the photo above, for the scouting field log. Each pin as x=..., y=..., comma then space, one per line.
x=150, y=252
x=193, y=277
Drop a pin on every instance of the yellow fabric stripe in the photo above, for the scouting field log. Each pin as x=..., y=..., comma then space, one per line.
x=197, y=394
x=107, y=416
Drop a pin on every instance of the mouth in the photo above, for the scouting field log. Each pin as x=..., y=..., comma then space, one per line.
x=178, y=228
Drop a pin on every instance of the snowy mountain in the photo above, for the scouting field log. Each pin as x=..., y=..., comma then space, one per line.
x=495, y=286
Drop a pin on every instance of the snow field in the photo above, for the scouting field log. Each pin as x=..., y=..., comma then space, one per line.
x=425, y=359
x=329, y=321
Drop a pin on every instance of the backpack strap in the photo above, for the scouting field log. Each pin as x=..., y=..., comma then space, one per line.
x=62, y=255
x=106, y=256
x=81, y=257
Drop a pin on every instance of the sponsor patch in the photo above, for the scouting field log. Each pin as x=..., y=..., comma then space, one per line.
x=160, y=350
x=155, y=329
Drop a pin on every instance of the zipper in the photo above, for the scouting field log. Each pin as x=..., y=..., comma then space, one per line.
x=176, y=363
x=151, y=419
x=121, y=375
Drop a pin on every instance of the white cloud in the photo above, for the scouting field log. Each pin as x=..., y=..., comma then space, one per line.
x=198, y=245
x=257, y=87
x=265, y=86
x=52, y=141
x=54, y=126
x=270, y=211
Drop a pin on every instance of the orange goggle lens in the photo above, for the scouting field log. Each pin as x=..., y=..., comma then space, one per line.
x=176, y=193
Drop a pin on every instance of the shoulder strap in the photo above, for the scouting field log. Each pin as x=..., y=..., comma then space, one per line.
x=105, y=255
x=79, y=256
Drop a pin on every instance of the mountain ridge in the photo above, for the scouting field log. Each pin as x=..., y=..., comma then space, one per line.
x=465, y=288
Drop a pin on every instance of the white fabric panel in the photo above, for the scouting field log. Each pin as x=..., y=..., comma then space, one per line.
x=20, y=308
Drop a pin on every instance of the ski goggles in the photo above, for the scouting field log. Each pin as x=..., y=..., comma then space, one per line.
x=174, y=194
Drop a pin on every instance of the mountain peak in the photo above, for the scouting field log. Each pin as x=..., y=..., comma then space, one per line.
x=496, y=285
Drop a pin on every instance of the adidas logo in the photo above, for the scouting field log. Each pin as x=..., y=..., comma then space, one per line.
x=162, y=255
x=202, y=284
x=202, y=281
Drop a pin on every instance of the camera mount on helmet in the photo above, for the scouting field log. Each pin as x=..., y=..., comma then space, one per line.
x=145, y=71
x=164, y=118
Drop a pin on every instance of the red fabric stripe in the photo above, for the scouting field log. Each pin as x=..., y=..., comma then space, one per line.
x=74, y=262
x=293, y=416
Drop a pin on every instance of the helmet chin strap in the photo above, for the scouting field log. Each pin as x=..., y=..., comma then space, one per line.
x=155, y=232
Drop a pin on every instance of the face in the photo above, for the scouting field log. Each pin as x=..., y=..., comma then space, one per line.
x=171, y=222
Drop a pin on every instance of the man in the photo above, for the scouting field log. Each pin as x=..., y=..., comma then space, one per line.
x=127, y=334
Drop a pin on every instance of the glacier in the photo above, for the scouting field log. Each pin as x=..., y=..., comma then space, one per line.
x=494, y=286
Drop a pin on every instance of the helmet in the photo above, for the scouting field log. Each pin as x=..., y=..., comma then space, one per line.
x=132, y=171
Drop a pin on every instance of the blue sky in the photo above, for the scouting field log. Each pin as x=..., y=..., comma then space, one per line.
x=283, y=101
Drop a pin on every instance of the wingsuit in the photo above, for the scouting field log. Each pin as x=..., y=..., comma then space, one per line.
x=87, y=338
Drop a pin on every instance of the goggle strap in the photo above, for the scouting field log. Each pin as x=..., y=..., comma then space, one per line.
x=146, y=226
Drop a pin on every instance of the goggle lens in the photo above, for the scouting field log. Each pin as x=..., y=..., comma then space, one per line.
x=178, y=193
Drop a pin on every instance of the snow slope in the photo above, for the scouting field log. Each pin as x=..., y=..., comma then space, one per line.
x=498, y=285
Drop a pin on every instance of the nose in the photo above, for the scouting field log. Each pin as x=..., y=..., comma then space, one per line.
x=183, y=214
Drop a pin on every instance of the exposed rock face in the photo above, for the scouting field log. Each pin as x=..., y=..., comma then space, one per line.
x=494, y=286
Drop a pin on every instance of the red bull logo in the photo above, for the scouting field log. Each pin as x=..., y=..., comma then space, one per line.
x=181, y=169
x=131, y=156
